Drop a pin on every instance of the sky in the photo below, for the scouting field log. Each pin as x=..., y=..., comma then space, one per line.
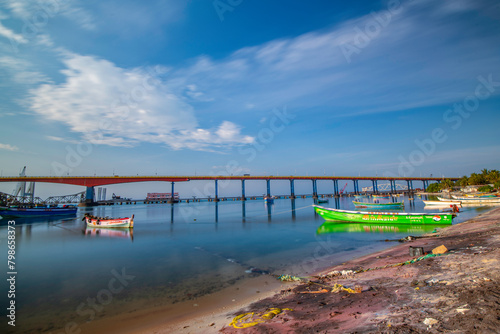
x=170, y=87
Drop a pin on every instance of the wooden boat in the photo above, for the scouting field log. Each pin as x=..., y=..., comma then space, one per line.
x=38, y=211
x=322, y=200
x=443, y=203
x=478, y=200
x=378, y=205
x=109, y=222
x=384, y=217
x=381, y=196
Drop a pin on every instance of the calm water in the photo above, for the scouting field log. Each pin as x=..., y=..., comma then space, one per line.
x=175, y=253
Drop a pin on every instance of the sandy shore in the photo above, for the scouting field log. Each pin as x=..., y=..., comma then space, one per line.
x=455, y=292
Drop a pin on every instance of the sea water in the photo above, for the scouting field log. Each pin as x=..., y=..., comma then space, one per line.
x=70, y=274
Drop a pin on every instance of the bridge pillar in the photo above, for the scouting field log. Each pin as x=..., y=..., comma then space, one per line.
x=216, y=199
x=336, y=188
x=243, y=198
x=172, y=197
x=292, y=189
x=410, y=185
x=315, y=189
x=375, y=186
x=89, y=194
x=356, y=186
x=89, y=197
x=393, y=186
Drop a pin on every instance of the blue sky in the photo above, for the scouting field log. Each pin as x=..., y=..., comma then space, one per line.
x=183, y=87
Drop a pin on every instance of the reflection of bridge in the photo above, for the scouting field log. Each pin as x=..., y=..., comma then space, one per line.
x=91, y=181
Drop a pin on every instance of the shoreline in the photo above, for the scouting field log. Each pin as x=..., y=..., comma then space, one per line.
x=455, y=292
x=213, y=313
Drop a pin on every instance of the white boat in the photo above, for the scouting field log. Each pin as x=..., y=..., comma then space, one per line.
x=479, y=200
x=127, y=222
x=443, y=203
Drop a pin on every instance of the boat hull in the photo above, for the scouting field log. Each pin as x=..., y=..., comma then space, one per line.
x=384, y=217
x=479, y=200
x=36, y=212
x=110, y=223
x=378, y=205
x=443, y=203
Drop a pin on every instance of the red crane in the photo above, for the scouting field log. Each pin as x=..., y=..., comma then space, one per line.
x=342, y=191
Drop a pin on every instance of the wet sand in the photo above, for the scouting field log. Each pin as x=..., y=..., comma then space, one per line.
x=456, y=292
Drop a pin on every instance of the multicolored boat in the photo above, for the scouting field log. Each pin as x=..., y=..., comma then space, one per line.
x=36, y=211
x=397, y=205
x=92, y=221
x=381, y=196
x=384, y=217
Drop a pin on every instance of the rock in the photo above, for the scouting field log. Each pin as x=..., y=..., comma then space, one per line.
x=433, y=281
x=462, y=309
x=430, y=322
x=440, y=250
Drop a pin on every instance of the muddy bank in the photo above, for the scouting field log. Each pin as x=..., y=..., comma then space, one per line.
x=454, y=292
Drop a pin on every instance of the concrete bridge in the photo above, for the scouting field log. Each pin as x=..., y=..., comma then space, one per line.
x=92, y=181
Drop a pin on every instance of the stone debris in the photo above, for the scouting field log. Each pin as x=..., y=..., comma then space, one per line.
x=440, y=250
x=430, y=322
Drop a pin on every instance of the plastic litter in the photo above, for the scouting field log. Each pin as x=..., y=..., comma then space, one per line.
x=251, y=319
x=339, y=287
x=289, y=278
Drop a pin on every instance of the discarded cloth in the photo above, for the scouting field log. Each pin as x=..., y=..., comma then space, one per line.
x=250, y=319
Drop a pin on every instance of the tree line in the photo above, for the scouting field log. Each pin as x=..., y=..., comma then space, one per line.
x=486, y=177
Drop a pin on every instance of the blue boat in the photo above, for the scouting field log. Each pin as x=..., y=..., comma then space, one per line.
x=44, y=211
x=269, y=199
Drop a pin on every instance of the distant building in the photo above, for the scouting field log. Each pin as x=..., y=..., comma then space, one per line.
x=161, y=196
x=474, y=189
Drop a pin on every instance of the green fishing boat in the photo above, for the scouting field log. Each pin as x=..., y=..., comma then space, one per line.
x=384, y=217
x=397, y=205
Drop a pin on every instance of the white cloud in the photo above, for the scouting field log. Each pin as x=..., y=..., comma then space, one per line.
x=47, y=9
x=8, y=147
x=124, y=107
x=11, y=35
x=21, y=71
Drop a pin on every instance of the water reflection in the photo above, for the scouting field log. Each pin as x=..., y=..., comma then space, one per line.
x=124, y=233
x=243, y=211
x=375, y=228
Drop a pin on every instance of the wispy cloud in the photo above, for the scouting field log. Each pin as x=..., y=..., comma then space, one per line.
x=10, y=34
x=8, y=147
x=110, y=105
x=130, y=19
x=71, y=9
x=412, y=62
x=21, y=71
